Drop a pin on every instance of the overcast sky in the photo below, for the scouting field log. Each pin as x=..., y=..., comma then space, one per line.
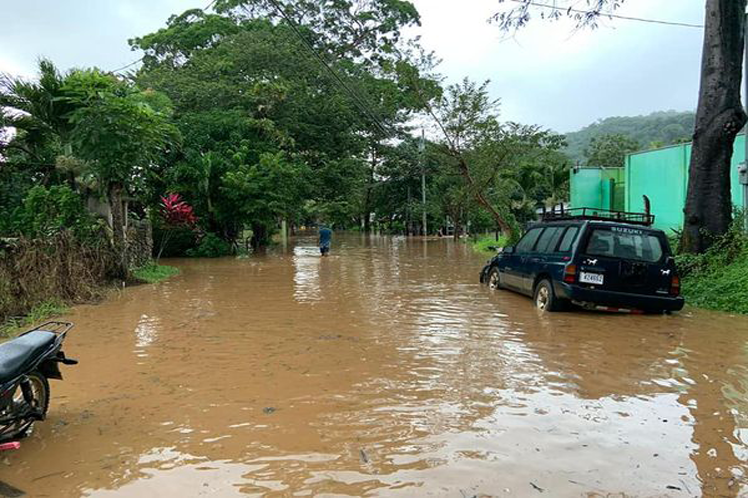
x=546, y=74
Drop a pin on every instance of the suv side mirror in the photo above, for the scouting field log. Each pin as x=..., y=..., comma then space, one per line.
x=508, y=250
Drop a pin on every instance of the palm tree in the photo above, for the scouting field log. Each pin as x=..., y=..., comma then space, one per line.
x=37, y=112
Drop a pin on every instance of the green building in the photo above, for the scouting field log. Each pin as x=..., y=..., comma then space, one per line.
x=660, y=174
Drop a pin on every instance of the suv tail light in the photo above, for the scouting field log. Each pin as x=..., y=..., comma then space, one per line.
x=675, y=286
x=570, y=274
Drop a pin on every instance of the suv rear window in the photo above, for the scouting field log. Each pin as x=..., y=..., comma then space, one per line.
x=625, y=243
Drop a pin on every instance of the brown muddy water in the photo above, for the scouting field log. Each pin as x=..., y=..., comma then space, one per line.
x=385, y=369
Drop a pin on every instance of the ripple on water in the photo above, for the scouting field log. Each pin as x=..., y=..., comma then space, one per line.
x=384, y=369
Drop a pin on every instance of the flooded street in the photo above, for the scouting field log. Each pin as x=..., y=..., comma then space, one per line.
x=385, y=369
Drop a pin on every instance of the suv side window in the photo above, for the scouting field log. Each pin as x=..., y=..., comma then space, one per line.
x=549, y=240
x=528, y=241
x=568, y=240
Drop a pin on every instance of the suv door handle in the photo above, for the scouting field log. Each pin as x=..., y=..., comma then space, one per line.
x=535, y=260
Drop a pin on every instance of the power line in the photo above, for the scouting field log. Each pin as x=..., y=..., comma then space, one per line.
x=616, y=16
x=211, y=4
x=357, y=100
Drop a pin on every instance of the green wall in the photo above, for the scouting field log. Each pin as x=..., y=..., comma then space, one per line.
x=596, y=188
x=662, y=175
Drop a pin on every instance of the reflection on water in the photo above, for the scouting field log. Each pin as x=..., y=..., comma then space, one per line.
x=146, y=331
x=385, y=369
x=306, y=262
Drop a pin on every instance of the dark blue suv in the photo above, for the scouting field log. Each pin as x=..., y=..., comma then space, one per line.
x=597, y=260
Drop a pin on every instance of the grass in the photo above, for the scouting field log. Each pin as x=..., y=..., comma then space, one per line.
x=484, y=243
x=39, y=313
x=721, y=289
x=718, y=279
x=153, y=273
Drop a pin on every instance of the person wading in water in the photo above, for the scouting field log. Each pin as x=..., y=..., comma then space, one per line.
x=325, y=237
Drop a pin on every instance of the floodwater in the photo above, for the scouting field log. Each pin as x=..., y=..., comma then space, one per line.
x=385, y=369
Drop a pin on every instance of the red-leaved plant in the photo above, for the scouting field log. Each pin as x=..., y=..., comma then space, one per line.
x=175, y=214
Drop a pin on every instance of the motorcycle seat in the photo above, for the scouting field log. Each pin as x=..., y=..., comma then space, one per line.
x=17, y=355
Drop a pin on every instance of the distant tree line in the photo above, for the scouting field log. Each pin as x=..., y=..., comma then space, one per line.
x=657, y=129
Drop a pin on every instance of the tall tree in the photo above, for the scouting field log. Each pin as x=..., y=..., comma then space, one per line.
x=361, y=30
x=719, y=115
x=719, y=118
x=38, y=113
x=119, y=136
x=247, y=79
x=485, y=150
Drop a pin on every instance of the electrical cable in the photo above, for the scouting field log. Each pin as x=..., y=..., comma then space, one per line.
x=363, y=107
x=143, y=57
x=611, y=15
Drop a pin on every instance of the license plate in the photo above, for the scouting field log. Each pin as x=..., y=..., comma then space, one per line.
x=591, y=278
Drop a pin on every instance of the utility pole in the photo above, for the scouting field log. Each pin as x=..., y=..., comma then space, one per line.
x=421, y=148
x=409, y=222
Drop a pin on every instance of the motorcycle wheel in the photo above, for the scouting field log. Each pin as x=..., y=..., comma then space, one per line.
x=38, y=387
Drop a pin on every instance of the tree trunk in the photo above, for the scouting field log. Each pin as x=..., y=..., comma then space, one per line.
x=506, y=228
x=260, y=237
x=719, y=118
x=118, y=231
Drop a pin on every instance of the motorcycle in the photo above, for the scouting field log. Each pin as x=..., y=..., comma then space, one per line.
x=26, y=365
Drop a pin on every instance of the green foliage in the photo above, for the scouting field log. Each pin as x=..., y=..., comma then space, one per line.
x=493, y=157
x=47, y=211
x=38, y=111
x=265, y=191
x=718, y=278
x=609, y=151
x=487, y=244
x=368, y=28
x=244, y=86
x=186, y=34
x=721, y=288
x=662, y=128
x=173, y=242
x=211, y=246
x=114, y=129
x=44, y=311
x=154, y=273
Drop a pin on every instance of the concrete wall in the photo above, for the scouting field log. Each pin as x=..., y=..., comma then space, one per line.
x=662, y=175
x=600, y=188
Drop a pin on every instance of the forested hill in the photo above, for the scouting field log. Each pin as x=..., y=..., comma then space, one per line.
x=662, y=128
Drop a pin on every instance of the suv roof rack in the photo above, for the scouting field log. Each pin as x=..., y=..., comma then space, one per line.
x=586, y=213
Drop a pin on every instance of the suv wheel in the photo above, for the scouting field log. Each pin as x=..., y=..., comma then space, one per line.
x=545, y=299
x=494, y=278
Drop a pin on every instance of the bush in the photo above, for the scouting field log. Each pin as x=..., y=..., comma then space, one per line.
x=722, y=289
x=718, y=279
x=44, y=311
x=211, y=246
x=48, y=211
